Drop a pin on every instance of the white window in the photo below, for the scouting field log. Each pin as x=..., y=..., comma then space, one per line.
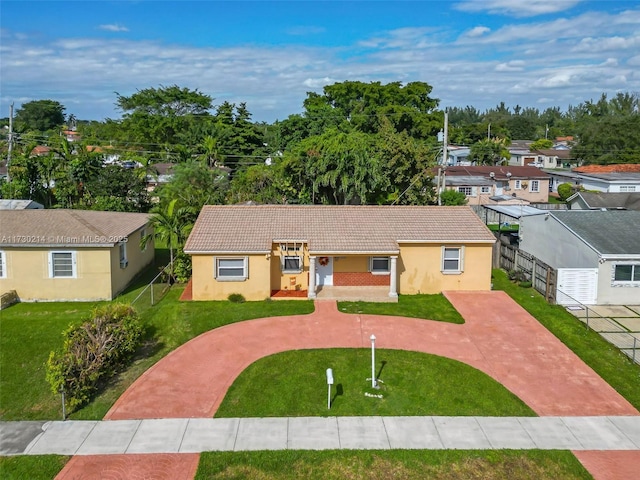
x=535, y=185
x=291, y=264
x=485, y=189
x=231, y=269
x=62, y=264
x=517, y=184
x=3, y=266
x=627, y=188
x=122, y=247
x=452, y=259
x=468, y=191
x=627, y=273
x=379, y=265
x=143, y=244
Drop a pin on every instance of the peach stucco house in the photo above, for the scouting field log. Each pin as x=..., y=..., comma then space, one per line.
x=71, y=255
x=262, y=250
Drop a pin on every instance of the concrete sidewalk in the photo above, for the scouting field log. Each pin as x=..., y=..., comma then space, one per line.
x=194, y=435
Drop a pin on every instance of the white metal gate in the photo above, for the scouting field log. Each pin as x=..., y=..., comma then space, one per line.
x=577, y=285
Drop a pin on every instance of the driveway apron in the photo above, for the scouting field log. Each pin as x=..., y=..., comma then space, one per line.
x=498, y=337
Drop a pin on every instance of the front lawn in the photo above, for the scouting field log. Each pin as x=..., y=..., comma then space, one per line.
x=293, y=384
x=428, y=307
x=29, y=331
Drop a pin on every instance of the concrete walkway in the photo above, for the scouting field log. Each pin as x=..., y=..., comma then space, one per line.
x=195, y=435
x=498, y=337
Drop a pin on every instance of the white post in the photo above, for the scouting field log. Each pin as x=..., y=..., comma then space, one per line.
x=373, y=361
x=393, y=280
x=312, y=278
x=329, y=383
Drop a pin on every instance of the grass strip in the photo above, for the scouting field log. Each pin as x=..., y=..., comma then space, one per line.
x=396, y=464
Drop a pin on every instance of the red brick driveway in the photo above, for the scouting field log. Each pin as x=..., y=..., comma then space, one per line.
x=498, y=338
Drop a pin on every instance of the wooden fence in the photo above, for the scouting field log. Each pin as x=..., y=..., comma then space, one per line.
x=542, y=277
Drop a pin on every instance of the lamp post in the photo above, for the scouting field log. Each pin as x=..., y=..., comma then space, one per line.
x=373, y=361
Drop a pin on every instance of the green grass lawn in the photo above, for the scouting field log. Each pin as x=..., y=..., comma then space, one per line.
x=293, y=384
x=396, y=464
x=605, y=359
x=428, y=307
x=29, y=331
x=31, y=467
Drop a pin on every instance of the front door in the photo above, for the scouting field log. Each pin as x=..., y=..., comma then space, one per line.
x=324, y=271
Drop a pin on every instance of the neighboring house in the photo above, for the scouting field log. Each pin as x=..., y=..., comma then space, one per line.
x=260, y=250
x=71, y=255
x=71, y=135
x=622, y=178
x=489, y=184
x=547, y=158
x=604, y=201
x=39, y=151
x=161, y=174
x=596, y=253
x=458, y=155
x=9, y=204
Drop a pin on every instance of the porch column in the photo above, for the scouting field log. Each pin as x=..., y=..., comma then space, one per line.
x=393, y=283
x=312, y=277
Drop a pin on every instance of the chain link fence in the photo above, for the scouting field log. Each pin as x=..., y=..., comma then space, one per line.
x=155, y=290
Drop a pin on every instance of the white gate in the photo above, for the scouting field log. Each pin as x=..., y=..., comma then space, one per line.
x=577, y=285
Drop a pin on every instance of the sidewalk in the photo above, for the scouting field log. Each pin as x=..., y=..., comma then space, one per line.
x=195, y=435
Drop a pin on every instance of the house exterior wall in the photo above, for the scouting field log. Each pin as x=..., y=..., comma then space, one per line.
x=288, y=281
x=523, y=192
x=545, y=238
x=616, y=293
x=137, y=260
x=257, y=285
x=420, y=269
x=92, y=281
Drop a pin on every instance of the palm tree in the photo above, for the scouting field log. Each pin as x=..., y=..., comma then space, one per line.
x=171, y=226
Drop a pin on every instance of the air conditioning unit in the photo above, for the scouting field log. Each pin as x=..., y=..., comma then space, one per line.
x=124, y=263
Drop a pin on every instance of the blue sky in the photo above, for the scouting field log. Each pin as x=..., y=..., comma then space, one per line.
x=532, y=53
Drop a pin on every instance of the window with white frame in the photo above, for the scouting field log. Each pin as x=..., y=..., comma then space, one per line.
x=468, y=191
x=379, y=265
x=143, y=243
x=122, y=248
x=231, y=269
x=62, y=264
x=3, y=265
x=452, y=259
x=291, y=257
x=517, y=184
x=627, y=188
x=535, y=186
x=626, y=273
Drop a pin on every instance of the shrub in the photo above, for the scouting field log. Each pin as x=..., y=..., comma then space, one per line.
x=93, y=352
x=525, y=284
x=182, y=267
x=236, y=298
x=565, y=190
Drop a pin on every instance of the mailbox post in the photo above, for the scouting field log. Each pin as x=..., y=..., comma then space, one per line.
x=373, y=361
x=329, y=383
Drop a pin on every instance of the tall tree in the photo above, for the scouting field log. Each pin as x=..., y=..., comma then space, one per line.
x=40, y=115
x=156, y=117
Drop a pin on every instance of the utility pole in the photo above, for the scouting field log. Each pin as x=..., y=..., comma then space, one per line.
x=445, y=140
x=10, y=149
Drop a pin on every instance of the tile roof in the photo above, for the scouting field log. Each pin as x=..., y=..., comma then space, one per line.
x=610, y=232
x=499, y=172
x=617, y=168
x=59, y=227
x=331, y=229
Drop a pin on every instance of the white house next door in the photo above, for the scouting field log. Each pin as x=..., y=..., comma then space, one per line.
x=324, y=271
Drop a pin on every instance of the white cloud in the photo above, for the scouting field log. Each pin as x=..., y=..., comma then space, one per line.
x=511, y=66
x=517, y=8
x=113, y=27
x=477, y=32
